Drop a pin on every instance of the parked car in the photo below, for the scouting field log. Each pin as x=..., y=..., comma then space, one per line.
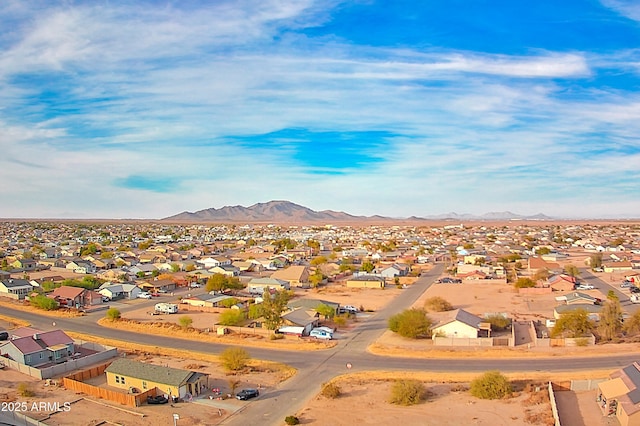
x=245, y=394
x=585, y=287
x=320, y=334
x=4, y=335
x=626, y=284
x=106, y=299
x=634, y=289
x=348, y=309
x=144, y=295
x=159, y=399
x=195, y=285
x=327, y=329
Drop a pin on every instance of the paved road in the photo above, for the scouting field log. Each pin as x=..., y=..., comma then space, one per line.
x=315, y=368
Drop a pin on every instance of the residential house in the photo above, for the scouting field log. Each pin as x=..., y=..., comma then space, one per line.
x=460, y=324
x=212, y=262
x=81, y=266
x=119, y=291
x=126, y=373
x=311, y=305
x=395, y=270
x=75, y=297
x=301, y=317
x=259, y=285
x=623, y=266
x=620, y=395
x=25, y=265
x=562, y=282
x=297, y=275
x=206, y=300
x=35, y=348
x=593, y=311
x=535, y=264
x=577, y=297
x=15, y=288
x=228, y=270
x=143, y=269
x=158, y=286
x=472, y=275
x=365, y=281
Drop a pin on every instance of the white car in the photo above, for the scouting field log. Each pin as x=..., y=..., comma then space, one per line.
x=585, y=287
x=144, y=295
x=348, y=309
x=320, y=334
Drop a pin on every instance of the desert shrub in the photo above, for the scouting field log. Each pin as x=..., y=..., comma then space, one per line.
x=276, y=336
x=232, y=317
x=292, y=420
x=234, y=359
x=24, y=390
x=185, y=321
x=498, y=322
x=437, y=304
x=331, y=390
x=407, y=392
x=491, y=385
x=524, y=282
x=113, y=314
x=44, y=303
x=582, y=341
x=341, y=320
x=411, y=323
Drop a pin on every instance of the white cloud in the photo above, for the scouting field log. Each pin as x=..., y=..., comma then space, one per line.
x=628, y=8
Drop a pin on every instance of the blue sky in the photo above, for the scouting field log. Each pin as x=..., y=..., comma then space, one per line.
x=117, y=110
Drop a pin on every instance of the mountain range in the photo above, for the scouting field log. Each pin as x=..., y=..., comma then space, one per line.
x=286, y=211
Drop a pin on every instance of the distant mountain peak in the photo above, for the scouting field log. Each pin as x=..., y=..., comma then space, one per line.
x=282, y=211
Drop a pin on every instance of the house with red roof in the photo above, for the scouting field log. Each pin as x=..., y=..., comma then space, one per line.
x=75, y=297
x=33, y=347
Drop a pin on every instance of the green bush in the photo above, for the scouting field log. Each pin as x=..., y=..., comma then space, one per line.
x=113, y=314
x=234, y=359
x=407, y=392
x=227, y=303
x=411, y=323
x=524, y=282
x=491, y=385
x=185, y=321
x=498, y=322
x=44, y=303
x=341, y=320
x=437, y=304
x=331, y=391
x=232, y=317
x=24, y=390
x=292, y=420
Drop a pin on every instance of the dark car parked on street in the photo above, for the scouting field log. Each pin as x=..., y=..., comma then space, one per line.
x=247, y=394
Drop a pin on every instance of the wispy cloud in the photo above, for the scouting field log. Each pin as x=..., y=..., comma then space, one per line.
x=191, y=106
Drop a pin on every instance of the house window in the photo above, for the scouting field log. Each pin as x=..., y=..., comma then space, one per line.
x=27, y=359
x=40, y=355
x=144, y=385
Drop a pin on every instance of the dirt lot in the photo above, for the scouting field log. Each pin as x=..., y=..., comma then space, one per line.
x=365, y=403
x=85, y=410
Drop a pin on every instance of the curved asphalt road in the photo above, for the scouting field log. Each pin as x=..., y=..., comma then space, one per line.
x=316, y=368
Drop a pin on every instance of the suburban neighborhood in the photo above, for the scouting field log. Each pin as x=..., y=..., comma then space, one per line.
x=308, y=288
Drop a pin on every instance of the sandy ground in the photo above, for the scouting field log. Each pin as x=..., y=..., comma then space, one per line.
x=365, y=403
x=85, y=410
